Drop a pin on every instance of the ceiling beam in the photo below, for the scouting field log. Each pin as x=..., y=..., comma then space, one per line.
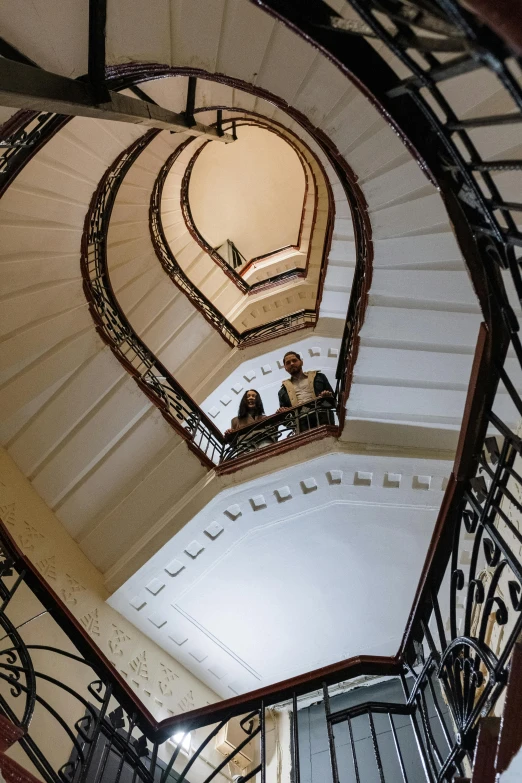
x=25, y=87
x=97, y=23
x=191, y=99
x=141, y=94
x=6, y=50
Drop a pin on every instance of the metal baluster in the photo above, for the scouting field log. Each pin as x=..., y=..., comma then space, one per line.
x=440, y=716
x=354, y=754
x=331, y=738
x=170, y=766
x=397, y=748
x=295, y=741
x=197, y=752
x=96, y=732
x=430, y=739
x=416, y=733
x=375, y=744
x=263, y=742
x=124, y=749
x=98, y=775
x=429, y=638
x=12, y=591
x=153, y=759
x=438, y=619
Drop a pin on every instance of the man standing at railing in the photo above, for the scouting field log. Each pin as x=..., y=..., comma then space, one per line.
x=306, y=387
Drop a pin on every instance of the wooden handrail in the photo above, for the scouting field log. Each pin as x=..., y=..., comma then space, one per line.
x=274, y=418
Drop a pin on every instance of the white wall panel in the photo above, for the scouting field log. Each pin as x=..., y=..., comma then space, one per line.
x=25, y=347
x=244, y=23
x=450, y=290
x=54, y=34
x=381, y=149
x=394, y=403
x=285, y=68
x=150, y=498
x=138, y=32
x=195, y=33
x=421, y=215
x=402, y=182
x=20, y=311
x=50, y=371
x=416, y=251
x=352, y=121
x=394, y=325
x=414, y=368
x=117, y=474
x=99, y=432
x=84, y=390
x=324, y=88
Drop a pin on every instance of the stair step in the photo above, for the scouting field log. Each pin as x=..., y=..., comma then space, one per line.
x=510, y=739
x=486, y=751
x=14, y=773
x=9, y=733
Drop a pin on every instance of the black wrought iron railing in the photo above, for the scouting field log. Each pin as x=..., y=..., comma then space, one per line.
x=22, y=136
x=153, y=378
x=451, y=669
x=434, y=43
x=467, y=613
x=177, y=407
x=274, y=430
x=361, y=282
x=230, y=259
x=235, y=260
x=171, y=266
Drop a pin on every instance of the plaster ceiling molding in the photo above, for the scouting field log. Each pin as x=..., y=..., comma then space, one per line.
x=265, y=373
x=303, y=554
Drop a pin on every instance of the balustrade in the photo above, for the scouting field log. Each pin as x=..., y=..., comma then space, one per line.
x=467, y=614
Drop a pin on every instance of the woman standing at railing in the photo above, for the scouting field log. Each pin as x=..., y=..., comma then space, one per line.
x=250, y=411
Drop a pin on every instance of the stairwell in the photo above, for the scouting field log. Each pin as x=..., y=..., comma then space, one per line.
x=112, y=466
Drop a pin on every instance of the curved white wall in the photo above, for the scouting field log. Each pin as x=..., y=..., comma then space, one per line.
x=251, y=192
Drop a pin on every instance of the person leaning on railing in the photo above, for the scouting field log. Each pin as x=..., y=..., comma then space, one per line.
x=251, y=411
x=303, y=387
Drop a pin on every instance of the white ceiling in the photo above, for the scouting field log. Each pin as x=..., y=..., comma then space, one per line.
x=308, y=566
x=251, y=192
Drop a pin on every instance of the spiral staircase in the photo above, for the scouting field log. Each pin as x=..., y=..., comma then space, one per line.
x=125, y=337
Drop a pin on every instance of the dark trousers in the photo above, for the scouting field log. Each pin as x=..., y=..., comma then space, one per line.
x=308, y=421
